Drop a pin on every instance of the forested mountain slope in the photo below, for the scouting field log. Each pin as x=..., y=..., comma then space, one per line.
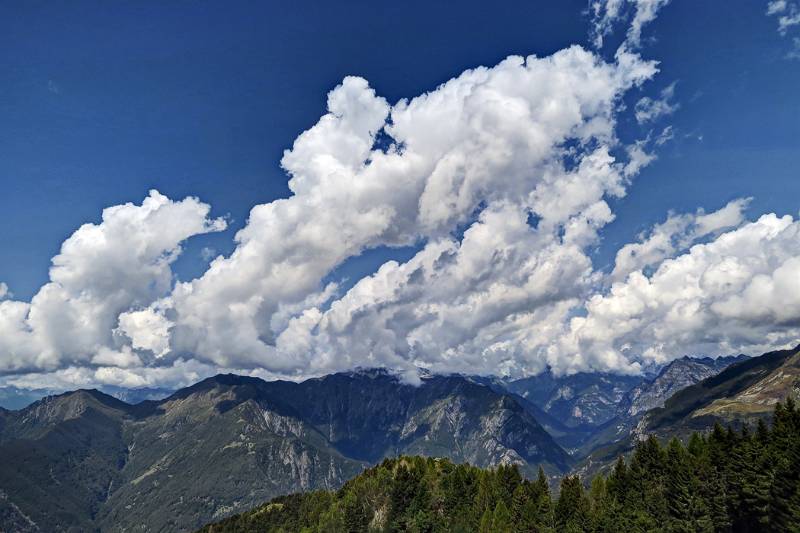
x=727, y=481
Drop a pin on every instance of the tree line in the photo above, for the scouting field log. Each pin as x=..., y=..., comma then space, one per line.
x=727, y=480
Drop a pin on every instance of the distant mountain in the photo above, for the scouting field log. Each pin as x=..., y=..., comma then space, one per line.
x=229, y=442
x=87, y=461
x=675, y=376
x=14, y=398
x=728, y=481
x=581, y=399
x=134, y=396
x=583, y=411
x=742, y=393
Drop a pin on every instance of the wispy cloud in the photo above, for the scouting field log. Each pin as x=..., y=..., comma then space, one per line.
x=606, y=14
x=649, y=109
x=787, y=13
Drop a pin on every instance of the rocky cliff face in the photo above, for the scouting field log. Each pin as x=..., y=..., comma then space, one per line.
x=231, y=442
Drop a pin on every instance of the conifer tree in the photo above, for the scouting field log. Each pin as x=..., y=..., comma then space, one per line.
x=486, y=522
x=618, y=480
x=501, y=519
x=544, y=502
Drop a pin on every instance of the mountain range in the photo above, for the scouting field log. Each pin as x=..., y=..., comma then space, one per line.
x=12, y=397
x=229, y=443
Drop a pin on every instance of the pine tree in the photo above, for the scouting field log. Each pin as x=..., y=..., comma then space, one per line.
x=404, y=488
x=529, y=519
x=520, y=498
x=687, y=510
x=646, y=480
x=762, y=432
x=602, y=504
x=507, y=478
x=486, y=522
x=485, y=497
x=544, y=502
x=355, y=516
x=501, y=519
x=696, y=446
x=572, y=509
x=618, y=480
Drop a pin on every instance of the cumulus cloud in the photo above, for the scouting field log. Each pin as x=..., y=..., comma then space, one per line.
x=519, y=157
x=606, y=14
x=121, y=264
x=490, y=137
x=4, y=292
x=675, y=235
x=739, y=292
x=478, y=305
x=179, y=373
x=500, y=178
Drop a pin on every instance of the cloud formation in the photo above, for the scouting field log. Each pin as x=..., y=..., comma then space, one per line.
x=102, y=270
x=606, y=14
x=787, y=12
x=741, y=291
x=484, y=154
x=491, y=137
x=675, y=235
x=500, y=178
x=649, y=109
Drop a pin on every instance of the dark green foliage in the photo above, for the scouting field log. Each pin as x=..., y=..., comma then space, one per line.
x=726, y=482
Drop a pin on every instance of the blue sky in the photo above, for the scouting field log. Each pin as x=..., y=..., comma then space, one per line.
x=102, y=101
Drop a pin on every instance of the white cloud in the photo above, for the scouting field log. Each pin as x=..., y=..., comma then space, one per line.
x=777, y=6
x=739, y=292
x=794, y=53
x=787, y=12
x=530, y=138
x=207, y=253
x=666, y=135
x=489, y=136
x=102, y=270
x=501, y=176
x=675, y=235
x=4, y=292
x=649, y=109
x=607, y=13
x=484, y=304
x=147, y=330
